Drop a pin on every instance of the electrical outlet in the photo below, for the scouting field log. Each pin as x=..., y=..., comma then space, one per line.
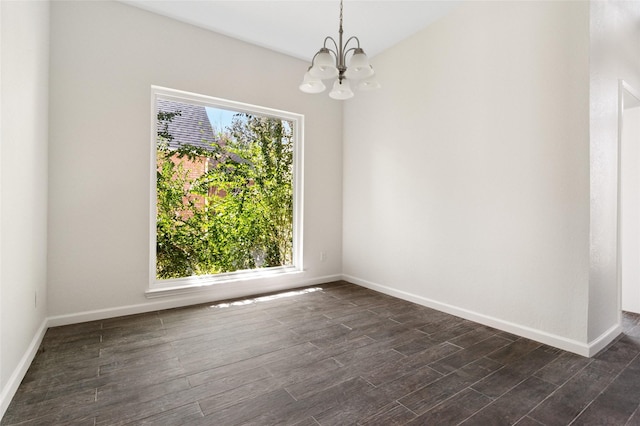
x=323, y=256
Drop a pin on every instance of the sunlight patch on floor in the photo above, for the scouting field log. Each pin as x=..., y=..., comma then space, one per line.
x=267, y=298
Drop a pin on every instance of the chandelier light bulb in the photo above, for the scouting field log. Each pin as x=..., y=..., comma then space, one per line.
x=368, y=84
x=341, y=90
x=311, y=84
x=359, y=66
x=324, y=65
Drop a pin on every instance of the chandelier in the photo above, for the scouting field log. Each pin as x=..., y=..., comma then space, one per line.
x=331, y=62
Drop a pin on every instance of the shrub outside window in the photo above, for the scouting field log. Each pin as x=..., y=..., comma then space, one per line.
x=227, y=190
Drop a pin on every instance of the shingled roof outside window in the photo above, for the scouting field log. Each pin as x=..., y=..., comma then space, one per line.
x=191, y=127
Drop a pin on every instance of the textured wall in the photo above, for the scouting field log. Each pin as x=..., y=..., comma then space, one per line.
x=630, y=211
x=614, y=47
x=23, y=195
x=466, y=182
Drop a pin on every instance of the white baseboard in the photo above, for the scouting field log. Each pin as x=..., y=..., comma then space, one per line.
x=580, y=348
x=192, y=297
x=14, y=381
x=604, y=339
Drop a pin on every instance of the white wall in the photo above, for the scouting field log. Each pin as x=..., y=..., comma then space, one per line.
x=630, y=210
x=104, y=58
x=614, y=47
x=24, y=53
x=466, y=177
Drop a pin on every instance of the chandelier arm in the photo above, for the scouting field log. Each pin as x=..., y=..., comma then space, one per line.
x=344, y=55
x=336, y=51
x=352, y=38
x=313, y=60
x=345, y=50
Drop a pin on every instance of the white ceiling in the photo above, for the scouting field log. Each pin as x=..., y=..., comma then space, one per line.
x=298, y=28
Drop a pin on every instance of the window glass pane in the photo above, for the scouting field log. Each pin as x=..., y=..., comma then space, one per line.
x=224, y=190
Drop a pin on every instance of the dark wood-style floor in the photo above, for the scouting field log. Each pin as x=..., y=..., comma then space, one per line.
x=335, y=354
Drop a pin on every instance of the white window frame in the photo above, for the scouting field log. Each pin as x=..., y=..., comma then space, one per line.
x=180, y=285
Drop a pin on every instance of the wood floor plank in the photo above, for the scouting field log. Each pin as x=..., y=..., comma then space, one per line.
x=393, y=414
x=346, y=402
x=239, y=394
x=409, y=383
x=461, y=358
x=117, y=392
x=424, y=399
x=320, y=383
x=454, y=410
x=404, y=366
x=199, y=373
x=562, y=368
x=513, y=373
x=618, y=402
x=51, y=411
x=561, y=407
x=185, y=415
x=513, y=405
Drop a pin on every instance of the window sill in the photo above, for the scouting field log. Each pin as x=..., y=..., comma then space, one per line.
x=188, y=285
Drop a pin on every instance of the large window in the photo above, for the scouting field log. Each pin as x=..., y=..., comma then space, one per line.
x=227, y=188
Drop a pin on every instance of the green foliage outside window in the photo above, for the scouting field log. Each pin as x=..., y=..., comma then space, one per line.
x=238, y=215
